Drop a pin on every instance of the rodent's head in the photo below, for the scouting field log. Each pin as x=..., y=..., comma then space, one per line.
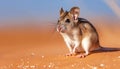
x=67, y=19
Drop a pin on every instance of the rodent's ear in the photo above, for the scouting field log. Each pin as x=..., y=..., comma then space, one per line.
x=75, y=11
x=61, y=11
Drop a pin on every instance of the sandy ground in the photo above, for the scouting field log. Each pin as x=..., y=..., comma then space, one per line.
x=36, y=49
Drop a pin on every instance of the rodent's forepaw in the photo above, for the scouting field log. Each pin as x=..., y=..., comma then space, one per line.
x=68, y=54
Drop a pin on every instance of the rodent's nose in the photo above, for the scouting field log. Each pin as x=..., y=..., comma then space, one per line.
x=58, y=28
x=61, y=28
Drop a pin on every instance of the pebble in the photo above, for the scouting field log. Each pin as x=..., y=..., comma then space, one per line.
x=33, y=66
x=51, y=65
x=118, y=57
x=102, y=65
x=42, y=56
x=94, y=67
x=44, y=66
x=33, y=54
x=72, y=65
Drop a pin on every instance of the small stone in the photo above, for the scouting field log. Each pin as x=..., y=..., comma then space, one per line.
x=72, y=65
x=33, y=54
x=49, y=66
x=42, y=56
x=33, y=66
x=44, y=66
x=94, y=67
x=118, y=57
x=102, y=65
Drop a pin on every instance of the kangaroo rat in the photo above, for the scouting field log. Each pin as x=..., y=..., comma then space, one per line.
x=78, y=33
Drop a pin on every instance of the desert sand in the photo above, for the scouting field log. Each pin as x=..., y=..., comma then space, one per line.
x=31, y=48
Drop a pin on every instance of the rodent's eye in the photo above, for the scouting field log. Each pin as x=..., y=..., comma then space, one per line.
x=67, y=20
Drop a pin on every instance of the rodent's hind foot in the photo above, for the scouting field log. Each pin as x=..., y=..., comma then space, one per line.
x=81, y=55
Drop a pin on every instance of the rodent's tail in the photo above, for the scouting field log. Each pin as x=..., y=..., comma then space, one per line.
x=107, y=49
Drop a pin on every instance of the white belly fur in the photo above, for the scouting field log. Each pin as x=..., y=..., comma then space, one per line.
x=68, y=40
x=86, y=43
x=72, y=43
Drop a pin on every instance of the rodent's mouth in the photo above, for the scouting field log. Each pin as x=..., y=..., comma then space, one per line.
x=61, y=30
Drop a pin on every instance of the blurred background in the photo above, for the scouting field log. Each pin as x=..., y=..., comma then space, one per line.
x=29, y=24
x=21, y=19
